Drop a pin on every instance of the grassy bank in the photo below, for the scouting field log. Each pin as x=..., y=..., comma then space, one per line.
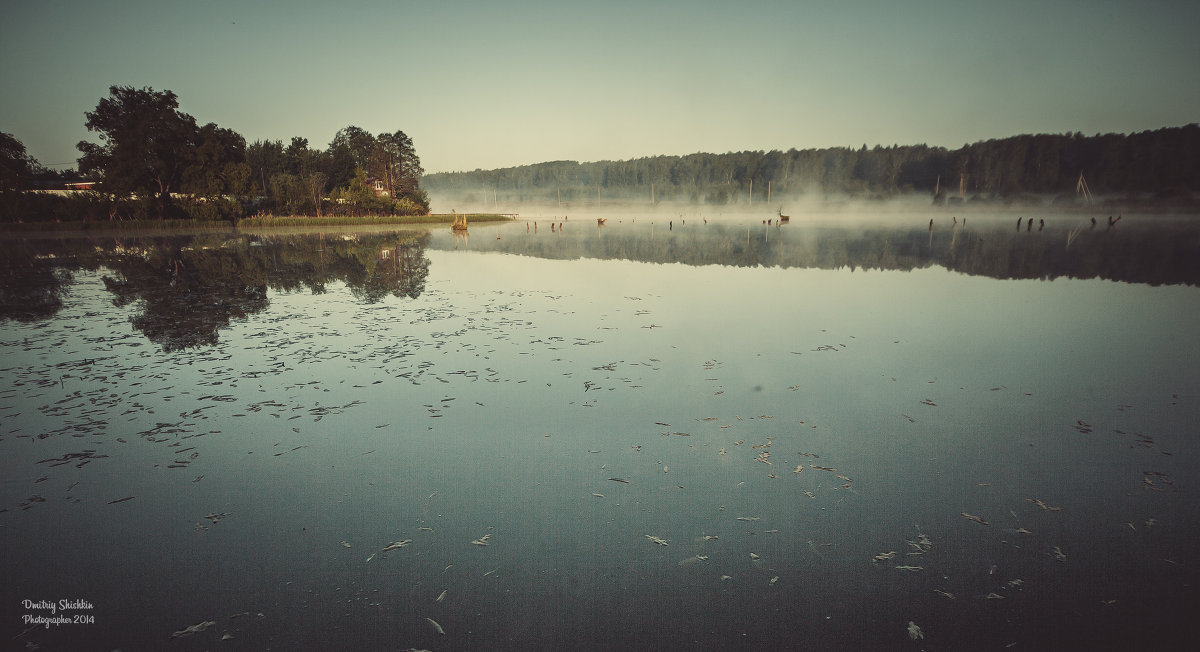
x=436, y=218
x=249, y=222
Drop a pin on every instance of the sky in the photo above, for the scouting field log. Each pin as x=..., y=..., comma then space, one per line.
x=482, y=85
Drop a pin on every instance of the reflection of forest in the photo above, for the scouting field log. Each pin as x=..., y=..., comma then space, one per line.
x=1162, y=252
x=189, y=287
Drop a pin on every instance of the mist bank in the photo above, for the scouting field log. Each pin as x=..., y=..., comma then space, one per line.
x=1149, y=170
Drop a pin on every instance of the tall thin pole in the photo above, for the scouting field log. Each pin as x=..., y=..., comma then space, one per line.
x=751, y=191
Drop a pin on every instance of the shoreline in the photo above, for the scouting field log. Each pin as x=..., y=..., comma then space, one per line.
x=184, y=226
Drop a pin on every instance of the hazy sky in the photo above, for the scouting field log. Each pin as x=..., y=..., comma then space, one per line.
x=495, y=84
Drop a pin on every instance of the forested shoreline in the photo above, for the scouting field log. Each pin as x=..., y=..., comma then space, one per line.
x=1160, y=167
x=155, y=162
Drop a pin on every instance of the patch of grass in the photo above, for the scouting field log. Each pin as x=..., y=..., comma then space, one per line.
x=303, y=220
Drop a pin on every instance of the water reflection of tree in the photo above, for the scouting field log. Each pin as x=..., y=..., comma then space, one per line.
x=31, y=288
x=186, y=296
x=400, y=271
x=189, y=288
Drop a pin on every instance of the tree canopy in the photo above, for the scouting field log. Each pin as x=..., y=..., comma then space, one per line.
x=155, y=160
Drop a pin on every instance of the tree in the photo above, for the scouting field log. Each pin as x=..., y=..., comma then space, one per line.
x=145, y=143
x=16, y=166
x=265, y=158
x=395, y=160
x=218, y=164
x=359, y=142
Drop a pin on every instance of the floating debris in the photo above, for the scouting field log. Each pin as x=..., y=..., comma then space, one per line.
x=883, y=556
x=442, y=595
x=914, y=631
x=483, y=540
x=1043, y=505
x=993, y=596
x=619, y=480
x=754, y=557
x=598, y=495
x=799, y=467
x=1058, y=554
x=120, y=500
x=398, y=544
x=193, y=629
x=436, y=626
x=747, y=518
x=945, y=594
x=345, y=544
x=773, y=581
x=660, y=541
x=972, y=517
x=216, y=517
x=910, y=569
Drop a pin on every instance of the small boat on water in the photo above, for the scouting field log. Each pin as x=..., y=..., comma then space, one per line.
x=783, y=219
x=601, y=220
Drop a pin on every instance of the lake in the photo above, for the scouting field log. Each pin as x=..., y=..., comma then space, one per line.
x=664, y=432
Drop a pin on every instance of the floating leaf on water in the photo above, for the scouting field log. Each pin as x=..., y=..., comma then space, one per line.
x=398, y=544
x=914, y=631
x=193, y=629
x=1043, y=505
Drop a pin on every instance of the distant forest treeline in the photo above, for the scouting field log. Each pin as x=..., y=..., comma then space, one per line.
x=1161, y=165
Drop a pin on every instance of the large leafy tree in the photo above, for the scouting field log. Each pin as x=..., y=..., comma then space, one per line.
x=17, y=167
x=217, y=164
x=146, y=143
x=398, y=164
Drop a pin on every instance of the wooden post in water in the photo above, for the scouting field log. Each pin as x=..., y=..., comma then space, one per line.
x=751, y=191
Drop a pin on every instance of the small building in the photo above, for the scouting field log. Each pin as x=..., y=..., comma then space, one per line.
x=376, y=184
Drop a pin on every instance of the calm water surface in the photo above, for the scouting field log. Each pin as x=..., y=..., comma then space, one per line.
x=648, y=435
